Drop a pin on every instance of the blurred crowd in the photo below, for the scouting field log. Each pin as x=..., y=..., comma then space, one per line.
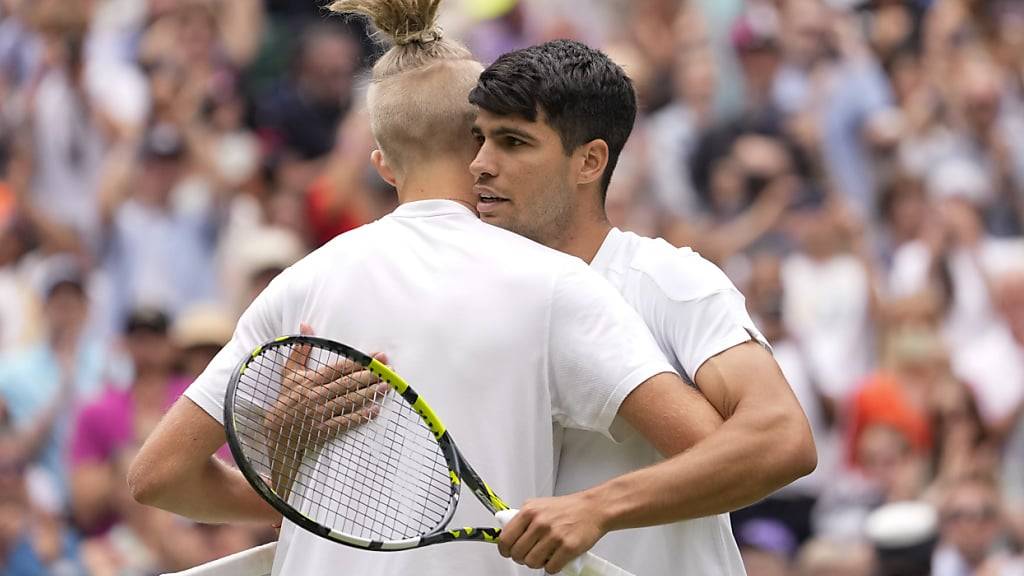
x=855, y=166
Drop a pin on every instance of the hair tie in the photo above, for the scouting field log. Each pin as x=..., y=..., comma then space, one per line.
x=421, y=37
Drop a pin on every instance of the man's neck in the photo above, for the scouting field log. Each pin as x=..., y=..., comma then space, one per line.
x=584, y=236
x=438, y=181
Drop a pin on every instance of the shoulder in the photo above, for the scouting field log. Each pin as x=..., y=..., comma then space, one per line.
x=678, y=274
x=518, y=250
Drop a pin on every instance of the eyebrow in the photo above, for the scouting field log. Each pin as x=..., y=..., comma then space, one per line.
x=505, y=131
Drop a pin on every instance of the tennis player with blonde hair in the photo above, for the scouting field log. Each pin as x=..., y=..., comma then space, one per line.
x=513, y=342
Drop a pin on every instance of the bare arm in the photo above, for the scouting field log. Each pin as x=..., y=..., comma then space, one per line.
x=242, y=23
x=176, y=470
x=764, y=444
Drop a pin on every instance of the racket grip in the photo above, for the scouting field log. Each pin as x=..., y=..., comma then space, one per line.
x=586, y=565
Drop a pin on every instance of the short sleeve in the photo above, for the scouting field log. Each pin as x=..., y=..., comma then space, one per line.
x=600, y=351
x=702, y=328
x=262, y=321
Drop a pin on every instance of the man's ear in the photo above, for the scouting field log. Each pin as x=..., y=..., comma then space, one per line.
x=594, y=155
x=381, y=164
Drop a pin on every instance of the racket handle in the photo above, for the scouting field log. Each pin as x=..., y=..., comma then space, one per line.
x=586, y=565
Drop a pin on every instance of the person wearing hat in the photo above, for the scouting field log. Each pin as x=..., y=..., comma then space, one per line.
x=904, y=535
x=120, y=419
x=161, y=223
x=199, y=333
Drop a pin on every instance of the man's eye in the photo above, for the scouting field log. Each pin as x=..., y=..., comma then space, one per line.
x=515, y=142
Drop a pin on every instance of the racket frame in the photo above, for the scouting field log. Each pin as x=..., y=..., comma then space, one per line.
x=459, y=469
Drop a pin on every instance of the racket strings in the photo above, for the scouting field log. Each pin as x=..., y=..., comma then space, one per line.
x=365, y=466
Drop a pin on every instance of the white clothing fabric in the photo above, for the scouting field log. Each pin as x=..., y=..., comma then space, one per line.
x=827, y=310
x=694, y=313
x=508, y=341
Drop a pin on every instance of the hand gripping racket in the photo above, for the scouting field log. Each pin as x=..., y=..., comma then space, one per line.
x=344, y=448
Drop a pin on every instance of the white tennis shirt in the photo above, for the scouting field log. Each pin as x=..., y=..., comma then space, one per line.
x=509, y=341
x=694, y=312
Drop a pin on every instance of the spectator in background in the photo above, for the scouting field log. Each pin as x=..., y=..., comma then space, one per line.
x=120, y=419
x=988, y=120
x=68, y=142
x=767, y=547
x=145, y=541
x=903, y=535
x=673, y=131
x=199, y=333
x=973, y=529
x=162, y=228
x=830, y=299
x=297, y=119
x=958, y=257
x=829, y=75
x=123, y=536
x=253, y=258
x=343, y=197
x=903, y=209
x=32, y=542
x=1011, y=301
x=755, y=38
x=964, y=446
x=889, y=469
x=19, y=302
x=824, y=557
x=746, y=177
x=901, y=395
x=67, y=366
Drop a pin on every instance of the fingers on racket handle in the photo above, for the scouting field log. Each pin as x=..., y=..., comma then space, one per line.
x=592, y=565
x=252, y=562
x=586, y=565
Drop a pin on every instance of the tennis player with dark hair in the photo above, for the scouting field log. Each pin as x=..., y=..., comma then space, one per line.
x=552, y=122
x=513, y=343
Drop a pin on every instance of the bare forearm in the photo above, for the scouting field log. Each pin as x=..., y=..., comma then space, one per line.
x=218, y=494
x=747, y=459
x=176, y=470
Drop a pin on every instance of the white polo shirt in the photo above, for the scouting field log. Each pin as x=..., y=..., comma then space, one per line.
x=694, y=312
x=510, y=342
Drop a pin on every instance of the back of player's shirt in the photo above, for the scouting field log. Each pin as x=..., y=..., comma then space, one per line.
x=694, y=312
x=503, y=337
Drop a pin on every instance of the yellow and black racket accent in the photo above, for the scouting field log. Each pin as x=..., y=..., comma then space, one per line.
x=346, y=449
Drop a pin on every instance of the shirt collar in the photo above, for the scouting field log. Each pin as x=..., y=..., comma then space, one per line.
x=428, y=208
x=605, y=256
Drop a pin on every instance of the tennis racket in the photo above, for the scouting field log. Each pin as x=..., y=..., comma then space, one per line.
x=346, y=449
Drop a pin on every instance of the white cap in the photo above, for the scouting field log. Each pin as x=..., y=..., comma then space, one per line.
x=902, y=524
x=270, y=247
